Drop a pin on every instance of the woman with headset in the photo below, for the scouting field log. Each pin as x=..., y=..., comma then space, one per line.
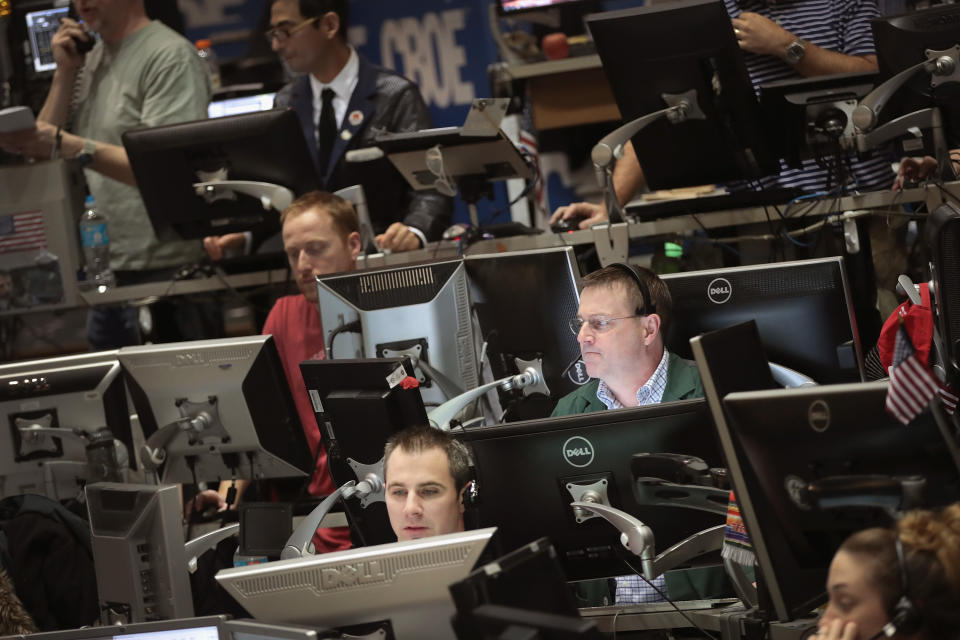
x=901, y=582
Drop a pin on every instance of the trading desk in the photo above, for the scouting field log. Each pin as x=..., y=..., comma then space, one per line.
x=612, y=240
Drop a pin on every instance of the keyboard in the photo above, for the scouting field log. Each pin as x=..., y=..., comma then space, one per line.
x=647, y=211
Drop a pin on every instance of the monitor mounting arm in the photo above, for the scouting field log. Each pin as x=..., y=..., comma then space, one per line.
x=271, y=196
x=530, y=380
x=200, y=419
x=681, y=107
x=298, y=543
x=639, y=539
x=942, y=67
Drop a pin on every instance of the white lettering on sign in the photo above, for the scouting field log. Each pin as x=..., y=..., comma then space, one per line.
x=429, y=55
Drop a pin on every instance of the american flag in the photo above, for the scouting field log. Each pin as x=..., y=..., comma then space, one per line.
x=22, y=232
x=912, y=384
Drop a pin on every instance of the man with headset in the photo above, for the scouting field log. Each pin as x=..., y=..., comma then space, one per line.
x=426, y=476
x=623, y=315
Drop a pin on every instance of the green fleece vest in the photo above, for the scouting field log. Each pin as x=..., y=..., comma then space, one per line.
x=683, y=383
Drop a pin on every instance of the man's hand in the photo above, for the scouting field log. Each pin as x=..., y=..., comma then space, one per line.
x=64, y=46
x=398, y=237
x=758, y=34
x=915, y=170
x=205, y=500
x=36, y=143
x=219, y=246
x=588, y=213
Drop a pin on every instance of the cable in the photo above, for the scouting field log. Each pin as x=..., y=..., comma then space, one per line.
x=623, y=556
x=353, y=327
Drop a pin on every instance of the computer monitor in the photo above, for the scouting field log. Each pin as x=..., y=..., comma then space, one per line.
x=525, y=589
x=943, y=243
x=812, y=118
x=806, y=458
x=78, y=394
x=167, y=161
x=234, y=396
x=41, y=25
x=254, y=630
x=205, y=628
x=675, y=48
x=137, y=540
x=359, y=404
x=421, y=311
x=529, y=472
x=523, y=301
x=405, y=583
x=802, y=310
x=513, y=7
x=901, y=42
x=241, y=99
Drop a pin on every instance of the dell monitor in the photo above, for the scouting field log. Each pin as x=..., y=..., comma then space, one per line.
x=529, y=472
x=405, y=583
x=523, y=302
x=675, y=48
x=205, y=628
x=525, y=589
x=943, y=243
x=812, y=118
x=802, y=310
x=137, y=541
x=421, y=311
x=815, y=464
x=41, y=26
x=514, y=7
x=216, y=409
x=240, y=99
x=80, y=394
x=359, y=404
x=902, y=42
x=167, y=162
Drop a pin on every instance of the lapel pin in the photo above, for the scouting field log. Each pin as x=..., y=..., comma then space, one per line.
x=356, y=117
x=346, y=135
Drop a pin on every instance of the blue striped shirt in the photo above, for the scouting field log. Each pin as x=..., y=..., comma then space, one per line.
x=839, y=25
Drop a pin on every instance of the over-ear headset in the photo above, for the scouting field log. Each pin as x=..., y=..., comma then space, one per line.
x=648, y=306
x=906, y=619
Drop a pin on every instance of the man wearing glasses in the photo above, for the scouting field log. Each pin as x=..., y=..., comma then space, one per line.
x=343, y=101
x=623, y=315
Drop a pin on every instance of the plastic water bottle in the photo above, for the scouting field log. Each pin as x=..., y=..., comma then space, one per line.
x=96, y=246
x=210, y=62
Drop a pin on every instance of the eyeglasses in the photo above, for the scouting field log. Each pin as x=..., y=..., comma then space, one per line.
x=597, y=325
x=282, y=34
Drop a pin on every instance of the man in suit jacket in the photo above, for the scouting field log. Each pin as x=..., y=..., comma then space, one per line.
x=310, y=36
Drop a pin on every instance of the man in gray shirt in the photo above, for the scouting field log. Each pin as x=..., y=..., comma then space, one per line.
x=139, y=74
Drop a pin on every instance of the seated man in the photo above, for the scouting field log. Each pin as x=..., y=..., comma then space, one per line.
x=624, y=313
x=320, y=236
x=426, y=473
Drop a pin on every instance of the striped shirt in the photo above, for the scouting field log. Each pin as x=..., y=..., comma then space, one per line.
x=838, y=25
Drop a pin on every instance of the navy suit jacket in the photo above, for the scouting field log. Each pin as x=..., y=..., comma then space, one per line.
x=382, y=101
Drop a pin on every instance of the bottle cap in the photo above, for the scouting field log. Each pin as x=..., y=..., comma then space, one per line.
x=203, y=44
x=88, y=201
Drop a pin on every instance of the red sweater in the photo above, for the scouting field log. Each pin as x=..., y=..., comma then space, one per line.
x=298, y=333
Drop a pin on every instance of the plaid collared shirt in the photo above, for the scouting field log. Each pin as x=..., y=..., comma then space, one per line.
x=633, y=589
x=650, y=393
